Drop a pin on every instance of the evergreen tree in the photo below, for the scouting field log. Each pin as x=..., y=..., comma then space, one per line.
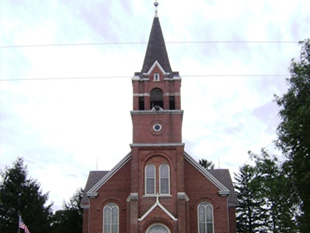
x=70, y=219
x=206, y=164
x=19, y=194
x=294, y=130
x=274, y=187
x=251, y=214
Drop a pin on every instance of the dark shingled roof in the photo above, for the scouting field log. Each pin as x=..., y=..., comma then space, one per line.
x=93, y=178
x=156, y=49
x=223, y=176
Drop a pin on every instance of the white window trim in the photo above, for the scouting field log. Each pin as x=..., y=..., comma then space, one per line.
x=208, y=204
x=156, y=77
x=145, y=181
x=168, y=179
x=156, y=224
x=106, y=206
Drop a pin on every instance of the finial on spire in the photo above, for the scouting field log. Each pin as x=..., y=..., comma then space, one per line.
x=156, y=5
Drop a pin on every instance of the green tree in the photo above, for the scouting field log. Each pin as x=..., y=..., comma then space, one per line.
x=274, y=188
x=70, y=219
x=206, y=164
x=251, y=214
x=294, y=130
x=19, y=194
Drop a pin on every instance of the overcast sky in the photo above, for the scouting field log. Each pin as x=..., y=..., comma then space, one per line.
x=66, y=69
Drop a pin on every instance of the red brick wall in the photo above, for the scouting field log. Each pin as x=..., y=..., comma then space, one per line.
x=157, y=156
x=168, y=87
x=232, y=220
x=116, y=190
x=173, y=156
x=199, y=188
x=85, y=220
x=143, y=127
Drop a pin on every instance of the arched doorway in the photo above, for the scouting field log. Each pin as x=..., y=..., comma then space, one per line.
x=158, y=228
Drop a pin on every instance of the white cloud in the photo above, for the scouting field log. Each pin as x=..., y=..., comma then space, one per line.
x=69, y=126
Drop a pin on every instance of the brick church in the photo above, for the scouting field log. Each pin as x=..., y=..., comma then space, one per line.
x=158, y=187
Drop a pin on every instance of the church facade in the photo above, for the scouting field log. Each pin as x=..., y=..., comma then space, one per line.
x=158, y=187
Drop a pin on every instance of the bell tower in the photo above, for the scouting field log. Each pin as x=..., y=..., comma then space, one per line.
x=157, y=114
x=157, y=151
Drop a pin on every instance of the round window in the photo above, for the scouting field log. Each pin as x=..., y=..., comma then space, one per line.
x=157, y=127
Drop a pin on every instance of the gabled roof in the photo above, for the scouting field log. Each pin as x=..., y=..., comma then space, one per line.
x=93, y=191
x=223, y=190
x=219, y=177
x=156, y=49
x=93, y=178
x=223, y=176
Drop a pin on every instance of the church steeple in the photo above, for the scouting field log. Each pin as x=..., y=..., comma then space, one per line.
x=157, y=114
x=156, y=49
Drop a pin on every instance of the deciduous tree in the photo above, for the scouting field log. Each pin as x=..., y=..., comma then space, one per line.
x=294, y=130
x=206, y=164
x=70, y=219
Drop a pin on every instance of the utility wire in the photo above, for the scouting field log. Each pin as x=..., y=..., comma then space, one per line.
x=127, y=77
x=137, y=43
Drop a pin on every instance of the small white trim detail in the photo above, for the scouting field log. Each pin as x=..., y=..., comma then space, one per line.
x=174, y=78
x=165, y=94
x=135, y=78
x=84, y=206
x=141, y=94
x=223, y=191
x=155, y=144
x=156, y=63
x=132, y=197
x=138, y=78
x=160, y=195
x=157, y=203
x=150, y=112
x=156, y=77
x=182, y=196
x=92, y=195
x=172, y=94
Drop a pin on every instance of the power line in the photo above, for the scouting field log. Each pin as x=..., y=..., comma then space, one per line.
x=127, y=77
x=137, y=43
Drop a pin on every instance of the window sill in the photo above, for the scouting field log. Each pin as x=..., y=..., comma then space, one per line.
x=159, y=195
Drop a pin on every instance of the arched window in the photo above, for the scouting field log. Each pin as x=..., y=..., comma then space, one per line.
x=110, y=218
x=158, y=228
x=156, y=77
x=149, y=179
x=205, y=218
x=164, y=179
x=157, y=98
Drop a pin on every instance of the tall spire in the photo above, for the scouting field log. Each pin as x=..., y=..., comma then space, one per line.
x=156, y=48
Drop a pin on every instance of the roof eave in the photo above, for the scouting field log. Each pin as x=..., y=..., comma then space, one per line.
x=223, y=191
x=93, y=191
